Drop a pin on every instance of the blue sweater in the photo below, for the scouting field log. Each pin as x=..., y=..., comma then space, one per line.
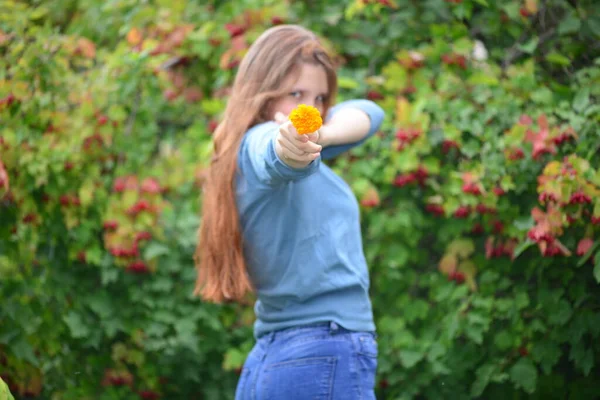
x=301, y=234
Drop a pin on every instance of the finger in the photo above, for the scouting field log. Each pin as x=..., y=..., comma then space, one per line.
x=306, y=157
x=292, y=134
x=314, y=137
x=289, y=146
x=310, y=147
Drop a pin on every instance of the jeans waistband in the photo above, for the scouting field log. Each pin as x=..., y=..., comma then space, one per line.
x=330, y=327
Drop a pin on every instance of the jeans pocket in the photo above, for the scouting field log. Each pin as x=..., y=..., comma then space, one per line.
x=305, y=378
x=367, y=352
x=242, y=392
x=367, y=345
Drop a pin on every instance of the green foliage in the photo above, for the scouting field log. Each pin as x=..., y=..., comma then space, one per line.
x=481, y=195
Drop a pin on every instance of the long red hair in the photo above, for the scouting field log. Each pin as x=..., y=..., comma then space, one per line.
x=275, y=55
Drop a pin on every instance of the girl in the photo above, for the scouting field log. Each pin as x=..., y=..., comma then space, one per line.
x=277, y=221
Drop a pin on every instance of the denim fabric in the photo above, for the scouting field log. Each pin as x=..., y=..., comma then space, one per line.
x=317, y=362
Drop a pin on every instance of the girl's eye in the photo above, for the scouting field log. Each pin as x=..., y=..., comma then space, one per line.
x=295, y=94
x=321, y=99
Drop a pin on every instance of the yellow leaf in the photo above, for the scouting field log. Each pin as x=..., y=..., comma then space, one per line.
x=531, y=6
x=134, y=36
x=86, y=193
x=461, y=247
x=469, y=269
x=86, y=47
x=402, y=111
x=448, y=264
x=552, y=169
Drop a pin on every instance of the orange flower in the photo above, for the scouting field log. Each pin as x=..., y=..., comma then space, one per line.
x=306, y=119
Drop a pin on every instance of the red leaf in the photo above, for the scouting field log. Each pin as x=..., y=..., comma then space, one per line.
x=541, y=141
x=584, y=246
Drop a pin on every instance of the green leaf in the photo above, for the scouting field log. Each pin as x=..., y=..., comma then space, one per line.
x=23, y=351
x=410, y=358
x=76, y=325
x=5, y=392
x=347, y=83
x=583, y=358
x=561, y=313
x=154, y=250
x=109, y=274
x=569, y=25
x=38, y=12
x=504, y=340
x=542, y=95
x=522, y=247
x=521, y=300
x=234, y=358
x=582, y=99
x=546, y=353
x=483, y=79
x=524, y=375
x=597, y=268
x=558, y=58
x=100, y=303
x=530, y=46
x=484, y=373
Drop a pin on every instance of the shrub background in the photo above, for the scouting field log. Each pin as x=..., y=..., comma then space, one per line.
x=480, y=196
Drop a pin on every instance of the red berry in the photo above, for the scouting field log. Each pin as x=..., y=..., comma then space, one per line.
x=235, y=30
x=523, y=351
x=143, y=236
x=277, y=20
x=151, y=186
x=374, y=95
x=212, y=125
x=471, y=188
x=29, y=218
x=498, y=227
x=448, y=145
x=138, y=267
x=403, y=180
x=170, y=94
x=102, y=119
x=462, y=212
x=516, y=154
x=149, y=395
x=8, y=100
x=140, y=206
x=110, y=225
x=477, y=229
x=435, y=209
x=579, y=198
x=459, y=277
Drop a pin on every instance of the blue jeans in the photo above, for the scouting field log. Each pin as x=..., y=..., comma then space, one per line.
x=315, y=362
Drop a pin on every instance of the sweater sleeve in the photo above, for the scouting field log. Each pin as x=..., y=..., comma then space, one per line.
x=259, y=162
x=375, y=113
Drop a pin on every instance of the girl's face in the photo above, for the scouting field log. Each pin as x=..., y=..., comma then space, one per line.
x=310, y=88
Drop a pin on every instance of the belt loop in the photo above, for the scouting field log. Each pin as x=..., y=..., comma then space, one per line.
x=333, y=327
x=271, y=337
